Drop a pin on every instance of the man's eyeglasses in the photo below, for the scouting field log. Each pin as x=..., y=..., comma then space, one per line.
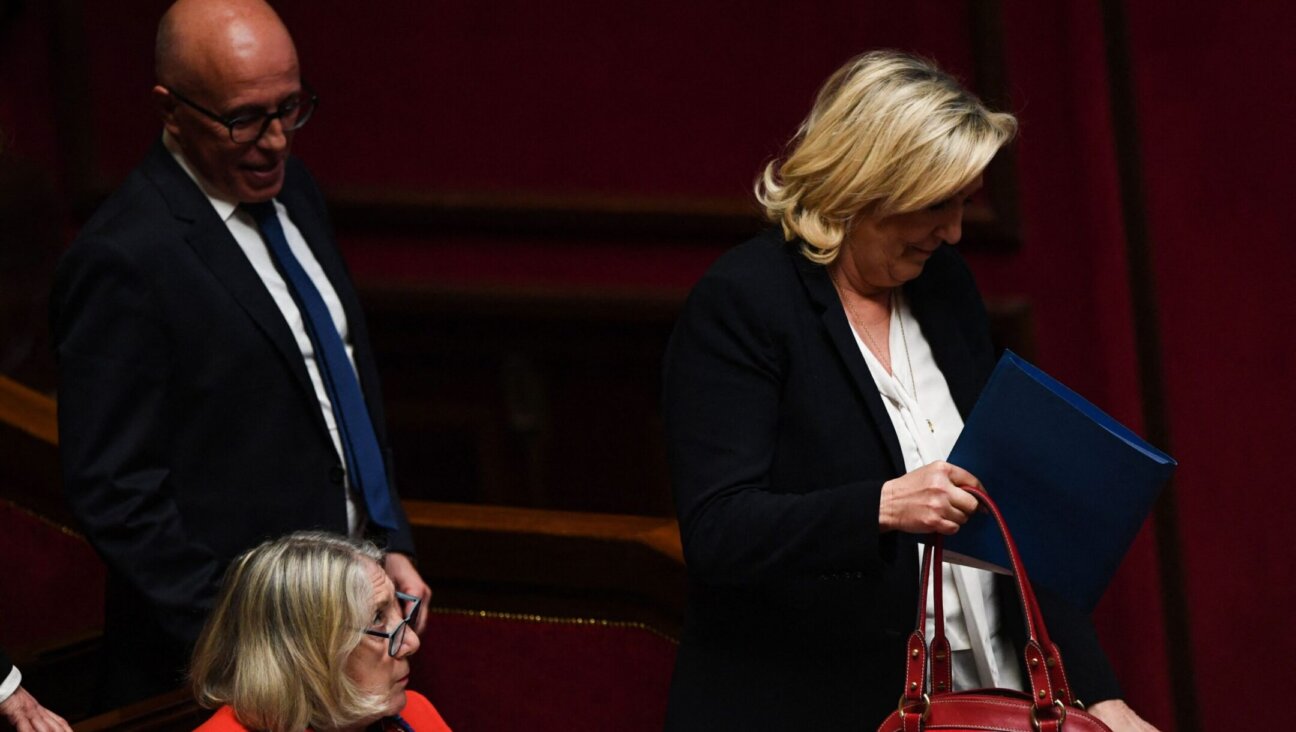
x=248, y=128
x=396, y=635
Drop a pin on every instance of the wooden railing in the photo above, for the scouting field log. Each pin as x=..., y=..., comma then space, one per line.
x=476, y=557
x=557, y=563
x=473, y=550
x=28, y=411
x=29, y=452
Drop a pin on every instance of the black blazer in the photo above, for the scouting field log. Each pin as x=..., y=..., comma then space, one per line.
x=189, y=429
x=779, y=444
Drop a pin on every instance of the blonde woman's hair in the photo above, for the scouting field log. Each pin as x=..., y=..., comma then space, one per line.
x=289, y=614
x=888, y=133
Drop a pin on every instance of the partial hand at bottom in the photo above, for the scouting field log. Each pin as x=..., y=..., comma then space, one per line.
x=27, y=715
x=1115, y=713
x=407, y=579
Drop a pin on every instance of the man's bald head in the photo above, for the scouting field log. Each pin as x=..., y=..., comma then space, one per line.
x=198, y=40
x=224, y=60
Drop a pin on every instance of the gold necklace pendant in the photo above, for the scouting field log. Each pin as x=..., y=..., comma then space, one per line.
x=892, y=306
x=913, y=378
x=885, y=360
x=903, y=338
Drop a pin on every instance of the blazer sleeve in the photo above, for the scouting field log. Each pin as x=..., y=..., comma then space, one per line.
x=724, y=379
x=115, y=362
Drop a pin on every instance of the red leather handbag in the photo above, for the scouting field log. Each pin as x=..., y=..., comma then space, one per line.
x=929, y=701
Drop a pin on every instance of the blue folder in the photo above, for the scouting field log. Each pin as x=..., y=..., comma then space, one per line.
x=1073, y=484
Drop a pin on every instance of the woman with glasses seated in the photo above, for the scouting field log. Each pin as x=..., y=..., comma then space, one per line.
x=309, y=632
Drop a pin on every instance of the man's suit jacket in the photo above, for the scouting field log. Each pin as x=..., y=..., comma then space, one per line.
x=779, y=445
x=189, y=427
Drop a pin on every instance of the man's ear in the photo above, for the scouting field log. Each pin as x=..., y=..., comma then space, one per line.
x=166, y=107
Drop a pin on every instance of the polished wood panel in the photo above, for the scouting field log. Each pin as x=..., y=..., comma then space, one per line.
x=534, y=397
x=552, y=563
x=362, y=212
x=173, y=712
x=542, y=397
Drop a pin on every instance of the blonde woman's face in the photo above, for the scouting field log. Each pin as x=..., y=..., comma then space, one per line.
x=889, y=251
x=370, y=665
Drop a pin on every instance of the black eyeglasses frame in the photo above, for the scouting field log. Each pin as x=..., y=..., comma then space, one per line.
x=308, y=98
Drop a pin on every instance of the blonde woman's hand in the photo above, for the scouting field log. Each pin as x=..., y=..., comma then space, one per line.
x=927, y=500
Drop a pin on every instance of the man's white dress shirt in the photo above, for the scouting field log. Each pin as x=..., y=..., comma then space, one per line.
x=244, y=229
x=10, y=684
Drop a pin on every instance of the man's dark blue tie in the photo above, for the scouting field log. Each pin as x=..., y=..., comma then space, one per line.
x=363, y=457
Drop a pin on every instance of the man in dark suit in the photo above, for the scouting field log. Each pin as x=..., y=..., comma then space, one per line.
x=217, y=383
x=19, y=708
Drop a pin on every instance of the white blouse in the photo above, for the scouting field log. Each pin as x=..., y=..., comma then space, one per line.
x=927, y=423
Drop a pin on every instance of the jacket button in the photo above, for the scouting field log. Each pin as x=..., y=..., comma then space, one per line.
x=336, y=474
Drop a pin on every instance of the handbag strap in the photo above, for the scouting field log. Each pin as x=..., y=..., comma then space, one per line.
x=1043, y=657
x=942, y=671
x=942, y=664
x=915, y=687
x=1049, y=686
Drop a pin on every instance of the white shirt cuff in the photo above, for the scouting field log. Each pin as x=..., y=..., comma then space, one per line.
x=10, y=684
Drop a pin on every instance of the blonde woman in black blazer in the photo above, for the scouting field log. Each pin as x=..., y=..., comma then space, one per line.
x=798, y=518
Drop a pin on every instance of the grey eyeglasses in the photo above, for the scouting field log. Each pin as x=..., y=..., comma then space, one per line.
x=396, y=635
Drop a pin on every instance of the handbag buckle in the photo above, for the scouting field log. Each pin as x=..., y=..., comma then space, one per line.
x=1035, y=723
x=926, y=709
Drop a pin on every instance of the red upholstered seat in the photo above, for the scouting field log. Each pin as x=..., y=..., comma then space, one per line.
x=489, y=672
x=53, y=583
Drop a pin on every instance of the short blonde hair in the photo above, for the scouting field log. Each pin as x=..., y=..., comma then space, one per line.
x=888, y=133
x=290, y=613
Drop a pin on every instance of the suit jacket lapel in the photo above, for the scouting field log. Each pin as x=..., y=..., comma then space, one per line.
x=215, y=246
x=825, y=299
